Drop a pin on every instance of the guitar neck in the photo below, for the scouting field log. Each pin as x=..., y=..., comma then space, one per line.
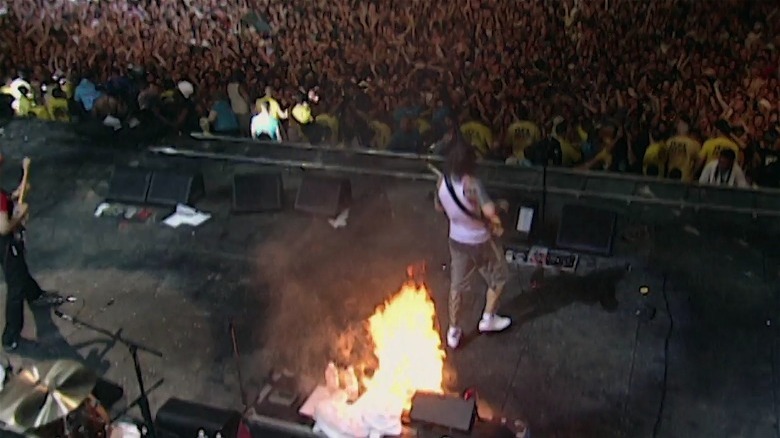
x=23, y=185
x=23, y=190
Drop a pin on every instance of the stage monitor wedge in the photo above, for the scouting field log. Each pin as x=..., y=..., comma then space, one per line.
x=446, y=411
x=257, y=192
x=129, y=185
x=171, y=188
x=587, y=229
x=323, y=195
x=183, y=419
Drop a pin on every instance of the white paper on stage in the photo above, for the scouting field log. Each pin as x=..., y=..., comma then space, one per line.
x=186, y=215
x=339, y=221
x=320, y=393
x=164, y=150
x=336, y=417
x=525, y=219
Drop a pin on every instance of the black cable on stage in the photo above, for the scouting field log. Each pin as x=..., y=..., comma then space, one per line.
x=631, y=371
x=659, y=416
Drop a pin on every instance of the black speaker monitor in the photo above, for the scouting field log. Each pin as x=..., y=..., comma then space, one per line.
x=184, y=419
x=172, y=188
x=129, y=185
x=257, y=192
x=323, y=195
x=447, y=411
x=587, y=229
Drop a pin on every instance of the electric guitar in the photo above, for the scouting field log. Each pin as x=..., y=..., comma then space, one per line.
x=496, y=228
x=25, y=177
x=22, y=193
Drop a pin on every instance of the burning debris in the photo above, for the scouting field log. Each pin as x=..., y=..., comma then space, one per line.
x=410, y=358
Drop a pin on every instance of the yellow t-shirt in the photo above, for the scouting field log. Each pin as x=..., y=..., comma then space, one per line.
x=5, y=89
x=67, y=88
x=382, y=134
x=478, y=135
x=571, y=154
x=22, y=106
x=682, y=153
x=58, y=109
x=302, y=114
x=711, y=148
x=273, y=107
x=423, y=126
x=40, y=112
x=655, y=155
x=582, y=133
x=522, y=134
x=331, y=123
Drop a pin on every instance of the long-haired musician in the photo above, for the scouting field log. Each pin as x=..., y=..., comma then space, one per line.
x=473, y=222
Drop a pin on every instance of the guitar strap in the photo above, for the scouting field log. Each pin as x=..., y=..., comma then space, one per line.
x=460, y=205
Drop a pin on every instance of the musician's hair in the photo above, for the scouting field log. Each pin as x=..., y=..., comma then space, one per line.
x=461, y=159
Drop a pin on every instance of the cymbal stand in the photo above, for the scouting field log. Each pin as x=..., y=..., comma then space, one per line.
x=134, y=348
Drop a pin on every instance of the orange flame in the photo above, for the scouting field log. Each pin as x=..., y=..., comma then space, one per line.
x=408, y=347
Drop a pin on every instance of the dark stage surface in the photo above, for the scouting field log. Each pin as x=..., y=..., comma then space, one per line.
x=576, y=363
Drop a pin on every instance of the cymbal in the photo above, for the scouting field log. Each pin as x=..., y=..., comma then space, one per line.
x=44, y=393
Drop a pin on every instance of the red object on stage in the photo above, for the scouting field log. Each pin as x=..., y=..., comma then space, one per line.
x=243, y=431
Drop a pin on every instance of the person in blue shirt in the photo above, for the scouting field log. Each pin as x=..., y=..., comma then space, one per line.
x=86, y=93
x=222, y=119
x=407, y=138
x=406, y=110
x=441, y=117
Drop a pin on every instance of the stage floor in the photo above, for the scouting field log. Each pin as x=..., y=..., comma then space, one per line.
x=576, y=363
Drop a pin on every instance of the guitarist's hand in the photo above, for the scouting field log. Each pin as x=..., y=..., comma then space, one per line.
x=16, y=193
x=21, y=210
x=496, y=228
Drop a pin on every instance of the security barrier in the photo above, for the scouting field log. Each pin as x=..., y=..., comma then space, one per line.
x=612, y=187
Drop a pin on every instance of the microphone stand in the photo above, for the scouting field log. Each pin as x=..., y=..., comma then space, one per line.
x=542, y=230
x=238, y=365
x=133, y=347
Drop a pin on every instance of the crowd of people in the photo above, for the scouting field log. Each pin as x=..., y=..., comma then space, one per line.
x=659, y=87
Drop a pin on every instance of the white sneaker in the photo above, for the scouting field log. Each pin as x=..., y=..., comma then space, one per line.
x=453, y=337
x=494, y=323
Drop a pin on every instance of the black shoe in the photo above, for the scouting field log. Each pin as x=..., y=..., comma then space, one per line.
x=48, y=299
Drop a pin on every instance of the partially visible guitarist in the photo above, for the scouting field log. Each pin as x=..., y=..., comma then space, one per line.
x=473, y=223
x=20, y=285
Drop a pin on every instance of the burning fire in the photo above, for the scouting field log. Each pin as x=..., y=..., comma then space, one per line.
x=410, y=358
x=408, y=347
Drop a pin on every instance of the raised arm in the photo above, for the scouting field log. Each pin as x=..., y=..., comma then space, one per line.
x=9, y=225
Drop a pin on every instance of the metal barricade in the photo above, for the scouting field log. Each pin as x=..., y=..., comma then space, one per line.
x=612, y=187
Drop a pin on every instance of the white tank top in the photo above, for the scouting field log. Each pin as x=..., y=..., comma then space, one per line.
x=463, y=228
x=237, y=103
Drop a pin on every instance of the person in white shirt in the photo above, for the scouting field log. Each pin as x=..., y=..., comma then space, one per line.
x=724, y=171
x=265, y=124
x=19, y=83
x=473, y=225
